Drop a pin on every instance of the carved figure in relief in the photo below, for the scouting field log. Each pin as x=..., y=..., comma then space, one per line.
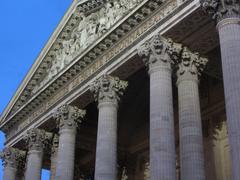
x=67, y=46
x=118, y=11
x=89, y=29
x=110, y=15
x=124, y=4
x=102, y=21
x=92, y=29
x=82, y=31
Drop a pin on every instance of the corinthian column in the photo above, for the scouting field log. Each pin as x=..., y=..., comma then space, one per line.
x=36, y=140
x=157, y=53
x=107, y=91
x=54, y=150
x=10, y=157
x=190, y=126
x=68, y=119
x=227, y=15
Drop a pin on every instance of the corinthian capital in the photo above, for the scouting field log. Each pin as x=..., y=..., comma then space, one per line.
x=221, y=9
x=11, y=157
x=37, y=139
x=108, y=88
x=159, y=51
x=191, y=63
x=69, y=116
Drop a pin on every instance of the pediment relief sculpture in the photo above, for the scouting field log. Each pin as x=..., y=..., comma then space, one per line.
x=89, y=29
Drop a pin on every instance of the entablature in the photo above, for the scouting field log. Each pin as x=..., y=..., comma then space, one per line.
x=77, y=74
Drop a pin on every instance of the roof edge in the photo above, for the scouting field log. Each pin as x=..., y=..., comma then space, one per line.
x=39, y=59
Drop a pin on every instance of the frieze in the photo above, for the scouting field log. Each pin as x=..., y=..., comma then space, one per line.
x=88, y=23
x=94, y=67
x=135, y=18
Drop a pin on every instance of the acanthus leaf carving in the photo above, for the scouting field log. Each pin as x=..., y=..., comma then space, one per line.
x=159, y=51
x=69, y=116
x=221, y=9
x=191, y=63
x=108, y=88
x=11, y=157
x=37, y=139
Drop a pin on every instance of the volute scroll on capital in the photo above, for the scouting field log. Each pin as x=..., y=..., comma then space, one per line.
x=190, y=64
x=68, y=116
x=108, y=88
x=37, y=139
x=159, y=51
x=12, y=157
x=221, y=9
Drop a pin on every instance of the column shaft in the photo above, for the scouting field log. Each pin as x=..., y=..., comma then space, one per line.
x=9, y=173
x=53, y=166
x=106, y=154
x=190, y=128
x=34, y=165
x=230, y=51
x=162, y=144
x=66, y=154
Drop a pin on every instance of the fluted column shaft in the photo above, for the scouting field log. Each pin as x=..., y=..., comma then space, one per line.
x=68, y=118
x=106, y=153
x=190, y=129
x=10, y=157
x=107, y=91
x=53, y=166
x=227, y=15
x=54, y=151
x=35, y=140
x=190, y=125
x=66, y=154
x=162, y=147
x=155, y=53
x=9, y=173
x=230, y=50
x=34, y=164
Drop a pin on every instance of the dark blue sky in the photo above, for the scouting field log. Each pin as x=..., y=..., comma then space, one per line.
x=26, y=25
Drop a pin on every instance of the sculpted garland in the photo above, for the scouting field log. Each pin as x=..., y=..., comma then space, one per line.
x=89, y=29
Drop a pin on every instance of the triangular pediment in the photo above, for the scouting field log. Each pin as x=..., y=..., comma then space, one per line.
x=83, y=26
x=89, y=31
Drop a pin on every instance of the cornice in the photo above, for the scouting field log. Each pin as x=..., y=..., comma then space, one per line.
x=69, y=20
x=37, y=63
x=117, y=32
x=161, y=20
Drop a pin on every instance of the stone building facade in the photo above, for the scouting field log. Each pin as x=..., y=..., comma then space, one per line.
x=131, y=90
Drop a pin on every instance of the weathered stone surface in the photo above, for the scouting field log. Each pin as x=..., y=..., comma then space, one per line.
x=190, y=126
x=230, y=43
x=107, y=91
x=11, y=158
x=54, y=150
x=36, y=140
x=227, y=14
x=222, y=9
x=158, y=55
x=69, y=118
